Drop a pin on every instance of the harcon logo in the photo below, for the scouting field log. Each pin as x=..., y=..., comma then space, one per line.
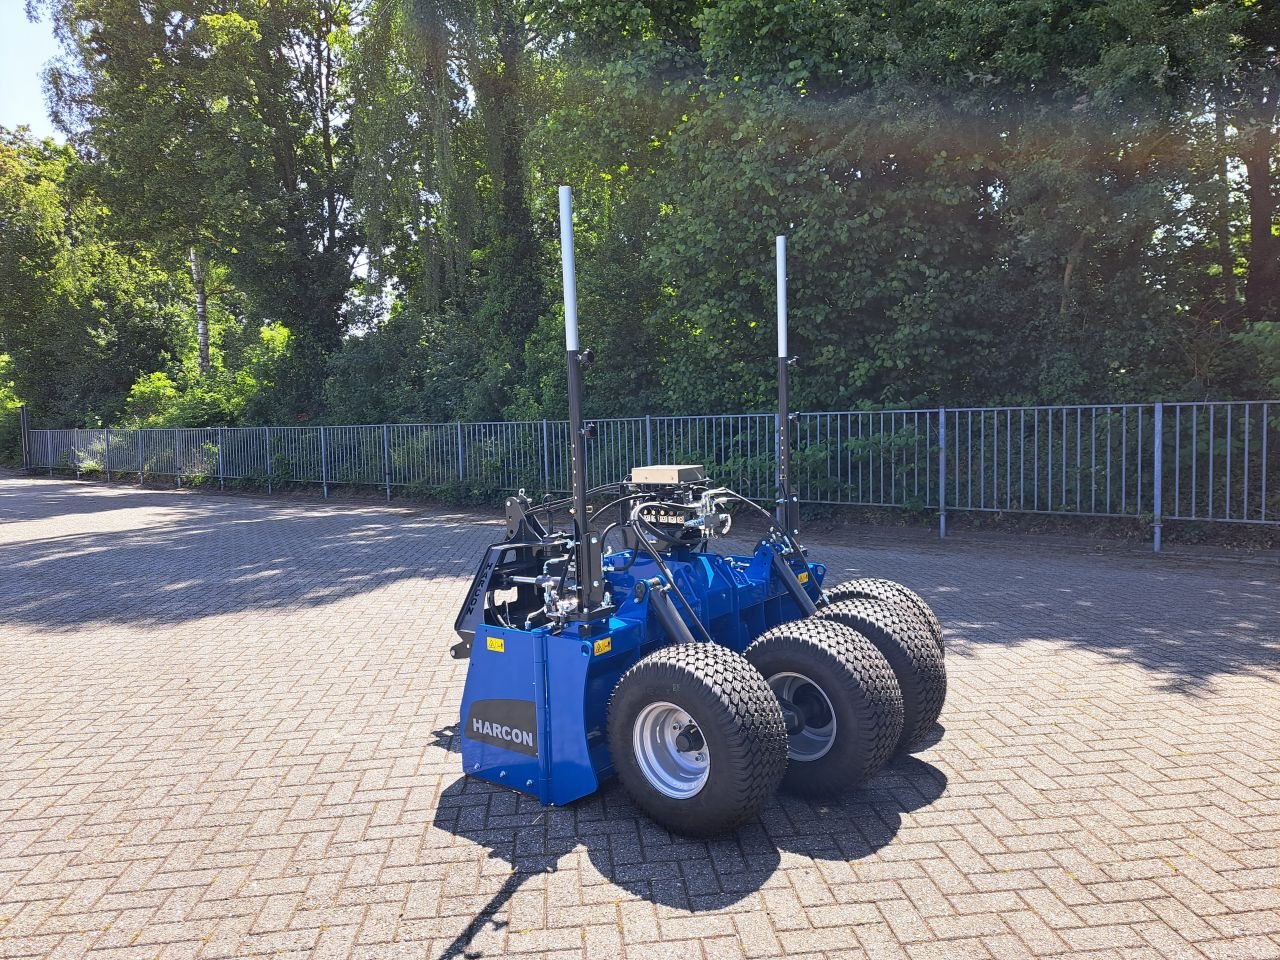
x=510, y=724
x=501, y=731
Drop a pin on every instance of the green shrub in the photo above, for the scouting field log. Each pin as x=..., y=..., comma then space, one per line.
x=220, y=398
x=10, y=431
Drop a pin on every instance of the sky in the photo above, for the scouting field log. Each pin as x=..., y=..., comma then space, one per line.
x=25, y=48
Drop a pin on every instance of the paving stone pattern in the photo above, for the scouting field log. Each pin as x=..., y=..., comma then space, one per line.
x=228, y=729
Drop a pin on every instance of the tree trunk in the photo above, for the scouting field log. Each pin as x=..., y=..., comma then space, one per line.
x=324, y=70
x=500, y=96
x=1262, y=285
x=1226, y=255
x=1068, y=271
x=199, y=270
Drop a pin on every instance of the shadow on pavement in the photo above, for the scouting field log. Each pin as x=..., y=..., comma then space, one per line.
x=1191, y=625
x=204, y=555
x=627, y=849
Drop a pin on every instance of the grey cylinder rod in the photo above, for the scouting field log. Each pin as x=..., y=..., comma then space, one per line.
x=570, y=280
x=788, y=513
x=782, y=295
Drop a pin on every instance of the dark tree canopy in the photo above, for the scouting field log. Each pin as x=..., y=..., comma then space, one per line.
x=280, y=210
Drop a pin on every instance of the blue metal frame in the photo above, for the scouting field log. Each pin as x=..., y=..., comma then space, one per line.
x=568, y=675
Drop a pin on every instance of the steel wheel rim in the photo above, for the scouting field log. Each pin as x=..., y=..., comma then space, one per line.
x=812, y=742
x=679, y=774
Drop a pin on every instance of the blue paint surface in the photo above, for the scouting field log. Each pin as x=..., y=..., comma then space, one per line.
x=569, y=675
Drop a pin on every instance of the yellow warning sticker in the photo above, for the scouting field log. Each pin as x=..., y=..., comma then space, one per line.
x=496, y=644
x=603, y=645
x=804, y=577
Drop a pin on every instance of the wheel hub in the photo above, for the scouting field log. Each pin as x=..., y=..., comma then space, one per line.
x=689, y=739
x=670, y=750
x=808, y=714
x=792, y=718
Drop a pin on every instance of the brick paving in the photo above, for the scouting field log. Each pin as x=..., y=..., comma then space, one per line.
x=227, y=729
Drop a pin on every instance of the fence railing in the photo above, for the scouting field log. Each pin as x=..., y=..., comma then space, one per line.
x=1217, y=462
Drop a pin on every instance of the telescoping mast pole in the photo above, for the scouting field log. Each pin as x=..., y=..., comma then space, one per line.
x=590, y=571
x=788, y=511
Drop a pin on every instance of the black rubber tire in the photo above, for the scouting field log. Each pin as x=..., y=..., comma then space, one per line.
x=860, y=688
x=738, y=717
x=891, y=592
x=911, y=652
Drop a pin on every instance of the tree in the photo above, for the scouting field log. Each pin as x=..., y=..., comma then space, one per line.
x=992, y=201
x=1253, y=104
x=447, y=99
x=81, y=315
x=992, y=197
x=218, y=131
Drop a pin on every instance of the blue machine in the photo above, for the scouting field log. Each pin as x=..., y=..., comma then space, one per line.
x=695, y=676
x=533, y=711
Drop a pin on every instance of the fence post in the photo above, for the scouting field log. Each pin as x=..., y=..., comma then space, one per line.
x=75, y=449
x=324, y=465
x=106, y=456
x=24, y=430
x=386, y=459
x=1157, y=472
x=140, y=437
x=267, y=445
x=546, y=457
x=648, y=438
x=177, y=454
x=942, y=472
x=462, y=473
x=221, y=479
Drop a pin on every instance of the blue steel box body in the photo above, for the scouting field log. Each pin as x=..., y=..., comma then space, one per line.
x=534, y=706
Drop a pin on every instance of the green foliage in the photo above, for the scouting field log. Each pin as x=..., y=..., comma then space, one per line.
x=81, y=314
x=985, y=202
x=223, y=397
x=354, y=200
x=150, y=400
x=218, y=133
x=10, y=429
x=1262, y=339
x=455, y=494
x=390, y=374
x=156, y=401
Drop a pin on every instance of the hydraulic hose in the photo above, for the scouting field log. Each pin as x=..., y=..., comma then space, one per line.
x=567, y=501
x=773, y=523
x=666, y=574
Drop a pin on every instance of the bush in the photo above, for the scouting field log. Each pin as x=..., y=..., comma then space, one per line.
x=10, y=438
x=1262, y=341
x=10, y=431
x=222, y=398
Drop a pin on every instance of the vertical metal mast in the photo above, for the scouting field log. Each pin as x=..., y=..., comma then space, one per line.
x=788, y=512
x=587, y=552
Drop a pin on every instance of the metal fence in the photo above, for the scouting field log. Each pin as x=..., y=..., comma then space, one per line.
x=1217, y=462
